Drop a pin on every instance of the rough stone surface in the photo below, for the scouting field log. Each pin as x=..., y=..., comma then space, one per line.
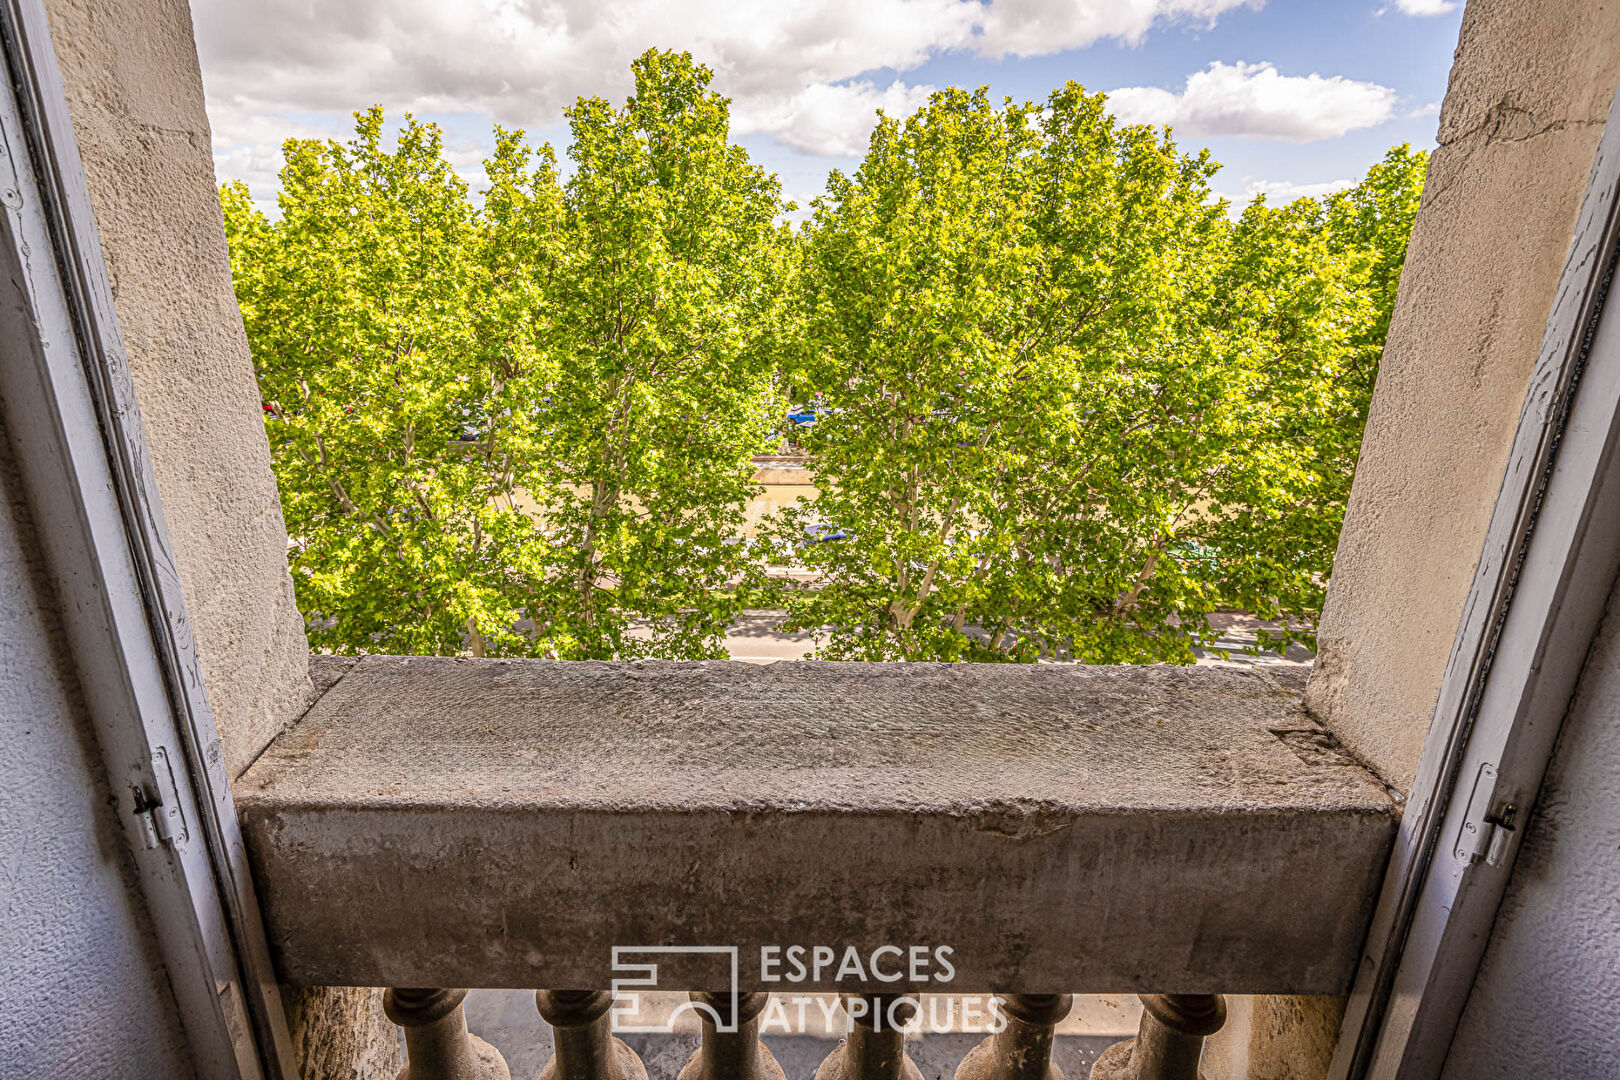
x=1274, y=1037
x=435, y=821
x=82, y=988
x=135, y=94
x=340, y=1033
x=1530, y=89
x=1546, y=1001
x=325, y=671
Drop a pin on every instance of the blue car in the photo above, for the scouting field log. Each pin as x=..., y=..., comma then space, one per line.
x=823, y=533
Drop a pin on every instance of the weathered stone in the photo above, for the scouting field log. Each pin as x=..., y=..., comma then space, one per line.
x=490, y=823
x=583, y=1046
x=876, y=1046
x=341, y=1033
x=135, y=93
x=1023, y=1049
x=1169, y=1043
x=731, y=1055
x=325, y=671
x=1526, y=102
x=437, y=1044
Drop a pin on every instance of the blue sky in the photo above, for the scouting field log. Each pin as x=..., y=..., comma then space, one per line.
x=1291, y=96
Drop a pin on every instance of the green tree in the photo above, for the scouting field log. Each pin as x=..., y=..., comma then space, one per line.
x=917, y=293
x=397, y=422
x=520, y=428
x=662, y=276
x=1313, y=285
x=1070, y=407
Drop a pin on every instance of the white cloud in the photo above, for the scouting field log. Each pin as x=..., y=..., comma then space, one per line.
x=1277, y=193
x=1256, y=100
x=1286, y=191
x=520, y=61
x=1043, y=27
x=1425, y=7
x=829, y=120
x=247, y=145
x=810, y=73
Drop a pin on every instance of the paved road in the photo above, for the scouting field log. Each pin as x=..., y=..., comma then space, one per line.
x=754, y=639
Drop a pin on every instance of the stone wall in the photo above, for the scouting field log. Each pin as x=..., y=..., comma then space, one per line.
x=1528, y=96
x=135, y=93
x=1529, y=92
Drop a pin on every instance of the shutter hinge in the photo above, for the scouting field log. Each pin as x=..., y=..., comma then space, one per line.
x=1488, y=829
x=159, y=812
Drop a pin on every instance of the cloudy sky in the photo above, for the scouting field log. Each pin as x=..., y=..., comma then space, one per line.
x=1292, y=96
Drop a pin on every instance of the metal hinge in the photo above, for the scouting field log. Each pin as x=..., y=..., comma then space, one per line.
x=1488, y=829
x=159, y=813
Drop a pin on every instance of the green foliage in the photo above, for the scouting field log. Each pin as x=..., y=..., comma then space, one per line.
x=516, y=430
x=662, y=270
x=1068, y=406
x=363, y=304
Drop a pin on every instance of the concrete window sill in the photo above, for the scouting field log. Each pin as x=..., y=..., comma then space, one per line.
x=447, y=822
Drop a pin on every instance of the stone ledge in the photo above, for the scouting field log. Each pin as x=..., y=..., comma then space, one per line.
x=449, y=822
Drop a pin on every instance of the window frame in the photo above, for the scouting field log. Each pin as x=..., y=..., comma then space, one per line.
x=1544, y=575
x=69, y=404
x=1549, y=557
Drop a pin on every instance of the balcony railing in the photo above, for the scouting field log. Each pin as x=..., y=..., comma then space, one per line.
x=1176, y=832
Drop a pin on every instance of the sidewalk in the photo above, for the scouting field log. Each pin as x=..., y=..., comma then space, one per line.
x=754, y=639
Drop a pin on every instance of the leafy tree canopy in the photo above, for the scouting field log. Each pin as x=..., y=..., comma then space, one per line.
x=526, y=427
x=1067, y=405
x=1070, y=407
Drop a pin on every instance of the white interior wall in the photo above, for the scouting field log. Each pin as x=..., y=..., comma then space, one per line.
x=1547, y=999
x=82, y=991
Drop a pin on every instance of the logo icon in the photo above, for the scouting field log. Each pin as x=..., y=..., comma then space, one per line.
x=640, y=977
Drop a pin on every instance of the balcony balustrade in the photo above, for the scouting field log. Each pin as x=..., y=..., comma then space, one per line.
x=1175, y=832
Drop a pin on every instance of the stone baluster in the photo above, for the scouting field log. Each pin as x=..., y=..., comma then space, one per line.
x=736, y=1054
x=876, y=1047
x=1023, y=1049
x=437, y=1045
x=1169, y=1042
x=583, y=1045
